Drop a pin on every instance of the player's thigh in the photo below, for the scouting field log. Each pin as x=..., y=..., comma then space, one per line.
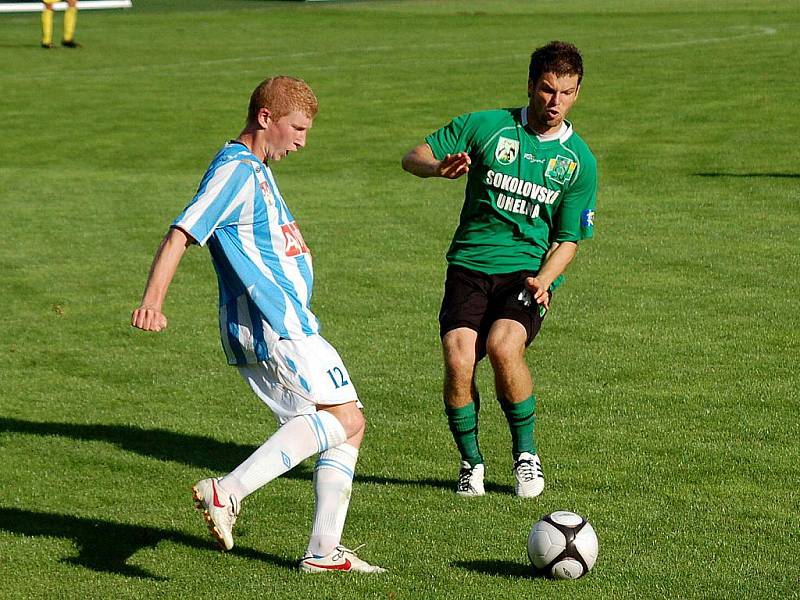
x=284, y=402
x=512, y=301
x=465, y=301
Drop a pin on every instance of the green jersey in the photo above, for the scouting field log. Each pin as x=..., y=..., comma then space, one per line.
x=523, y=192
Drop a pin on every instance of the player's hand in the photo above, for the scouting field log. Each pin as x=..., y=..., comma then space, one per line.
x=148, y=318
x=453, y=166
x=538, y=291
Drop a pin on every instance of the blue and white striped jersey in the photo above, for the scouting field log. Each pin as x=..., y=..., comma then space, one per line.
x=263, y=264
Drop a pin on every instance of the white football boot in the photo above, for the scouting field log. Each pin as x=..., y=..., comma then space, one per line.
x=220, y=510
x=529, y=475
x=338, y=559
x=470, y=480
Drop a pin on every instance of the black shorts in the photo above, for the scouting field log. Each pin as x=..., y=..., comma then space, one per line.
x=476, y=300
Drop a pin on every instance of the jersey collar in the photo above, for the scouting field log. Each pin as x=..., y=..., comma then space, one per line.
x=562, y=135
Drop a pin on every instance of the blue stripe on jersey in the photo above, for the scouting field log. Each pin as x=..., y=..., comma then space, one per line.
x=259, y=340
x=232, y=331
x=334, y=464
x=308, y=276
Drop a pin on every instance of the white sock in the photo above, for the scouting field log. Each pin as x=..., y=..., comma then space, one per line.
x=333, y=482
x=294, y=442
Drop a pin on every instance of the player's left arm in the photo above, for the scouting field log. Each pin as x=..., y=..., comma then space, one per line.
x=555, y=263
x=575, y=222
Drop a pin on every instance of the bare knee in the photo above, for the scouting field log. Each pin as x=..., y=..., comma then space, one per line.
x=350, y=416
x=459, y=366
x=459, y=347
x=503, y=352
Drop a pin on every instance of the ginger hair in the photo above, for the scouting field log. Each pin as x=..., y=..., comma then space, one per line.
x=282, y=95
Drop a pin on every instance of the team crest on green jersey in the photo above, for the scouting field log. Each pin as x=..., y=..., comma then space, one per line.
x=560, y=169
x=507, y=150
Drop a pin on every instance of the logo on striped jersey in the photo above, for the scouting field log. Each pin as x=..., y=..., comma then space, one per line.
x=267, y=192
x=295, y=245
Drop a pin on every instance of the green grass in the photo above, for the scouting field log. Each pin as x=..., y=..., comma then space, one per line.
x=667, y=371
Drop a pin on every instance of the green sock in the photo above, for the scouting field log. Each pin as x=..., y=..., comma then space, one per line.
x=464, y=426
x=521, y=417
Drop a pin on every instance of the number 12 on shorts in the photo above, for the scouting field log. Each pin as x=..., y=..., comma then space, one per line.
x=337, y=377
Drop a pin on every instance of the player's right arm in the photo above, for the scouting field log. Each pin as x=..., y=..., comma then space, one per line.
x=421, y=162
x=165, y=263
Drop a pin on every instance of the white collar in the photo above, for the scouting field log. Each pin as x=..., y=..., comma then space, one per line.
x=563, y=133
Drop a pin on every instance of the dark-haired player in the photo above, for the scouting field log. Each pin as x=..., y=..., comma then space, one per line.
x=530, y=198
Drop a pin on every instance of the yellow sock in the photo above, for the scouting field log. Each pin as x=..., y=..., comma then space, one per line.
x=47, y=26
x=70, y=18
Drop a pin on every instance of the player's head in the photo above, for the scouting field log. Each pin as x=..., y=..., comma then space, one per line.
x=281, y=109
x=554, y=80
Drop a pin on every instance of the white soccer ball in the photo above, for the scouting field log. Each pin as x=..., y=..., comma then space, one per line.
x=562, y=545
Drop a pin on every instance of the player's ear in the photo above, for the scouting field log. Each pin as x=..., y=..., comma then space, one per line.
x=264, y=117
x=531, y=85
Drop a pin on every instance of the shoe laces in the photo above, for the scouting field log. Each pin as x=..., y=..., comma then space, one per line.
x=341, y=551
x=464, y=479
x=526, y=469
x=234, y=507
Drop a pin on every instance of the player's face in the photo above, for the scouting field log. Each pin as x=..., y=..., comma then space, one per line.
x=287, y=134
x=552, y=97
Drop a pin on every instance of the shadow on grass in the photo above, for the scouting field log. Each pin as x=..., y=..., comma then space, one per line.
x=503, y=568
x=193, y=450
x=748, y=175
x=105, y=546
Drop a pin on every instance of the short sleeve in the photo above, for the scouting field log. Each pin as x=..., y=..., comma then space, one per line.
x=575, y=219
x=221, y=193
x=454, y=137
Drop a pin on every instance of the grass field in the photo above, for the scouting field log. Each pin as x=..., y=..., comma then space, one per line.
x=667, y=370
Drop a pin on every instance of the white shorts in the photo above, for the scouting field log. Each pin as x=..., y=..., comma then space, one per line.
x=299, y=375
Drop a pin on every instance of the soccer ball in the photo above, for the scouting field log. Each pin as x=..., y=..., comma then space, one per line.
x=562, y=545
